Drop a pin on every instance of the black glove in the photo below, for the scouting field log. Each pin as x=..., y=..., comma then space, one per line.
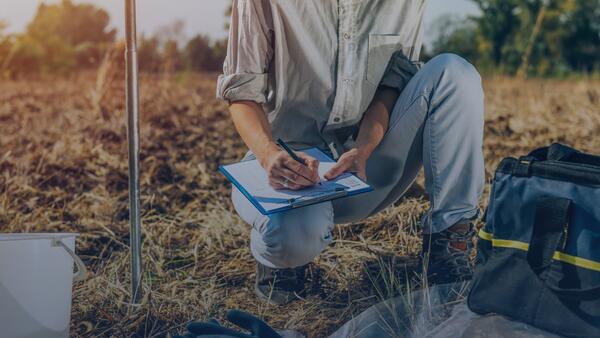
x=212, y=328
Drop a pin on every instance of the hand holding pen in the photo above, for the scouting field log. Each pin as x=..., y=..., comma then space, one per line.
x=292, y=170
x=315, y=166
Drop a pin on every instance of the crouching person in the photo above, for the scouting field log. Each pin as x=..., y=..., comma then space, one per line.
x=342, y=76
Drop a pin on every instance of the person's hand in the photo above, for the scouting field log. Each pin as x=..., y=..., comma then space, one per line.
x=286, y=173
x=351, y=161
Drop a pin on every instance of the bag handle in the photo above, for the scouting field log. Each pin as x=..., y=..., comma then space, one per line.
x=562, y=153
x=555, y=152
x=81, y=272
x=551, y=222
x=549, y=229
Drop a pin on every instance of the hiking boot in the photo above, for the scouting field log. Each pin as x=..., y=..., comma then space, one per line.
x=279, y=286
x=446, y=255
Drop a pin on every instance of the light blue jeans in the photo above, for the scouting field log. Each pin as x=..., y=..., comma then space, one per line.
x=437, y=123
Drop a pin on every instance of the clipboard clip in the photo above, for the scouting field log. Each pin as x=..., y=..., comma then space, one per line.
x=320, y=197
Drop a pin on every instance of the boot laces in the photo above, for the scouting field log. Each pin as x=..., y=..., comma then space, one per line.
x=456, y=258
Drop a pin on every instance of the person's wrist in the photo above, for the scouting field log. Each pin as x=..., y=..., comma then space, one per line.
x=270, y=150
x=363, y=153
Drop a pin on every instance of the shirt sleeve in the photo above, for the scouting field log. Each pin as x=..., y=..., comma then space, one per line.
x=399, y=71
x=249, y=52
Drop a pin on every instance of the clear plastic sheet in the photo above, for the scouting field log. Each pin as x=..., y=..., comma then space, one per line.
x=438, y=312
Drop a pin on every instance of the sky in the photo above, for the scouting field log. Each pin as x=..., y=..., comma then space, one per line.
x=199, y=16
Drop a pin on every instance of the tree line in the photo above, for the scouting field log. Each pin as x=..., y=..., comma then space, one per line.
x=523, y=37
x=526, y=37
x=66, y=37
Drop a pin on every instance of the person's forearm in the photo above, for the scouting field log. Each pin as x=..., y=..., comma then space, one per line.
x=283, y=171
x=376, y=121
x=252, y=125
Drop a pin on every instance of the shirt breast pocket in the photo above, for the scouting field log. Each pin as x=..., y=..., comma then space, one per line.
x=381, y=48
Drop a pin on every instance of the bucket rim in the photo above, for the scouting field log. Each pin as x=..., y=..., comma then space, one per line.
x=6, y=237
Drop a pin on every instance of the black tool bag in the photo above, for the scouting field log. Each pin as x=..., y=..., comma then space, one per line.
x=538, y=258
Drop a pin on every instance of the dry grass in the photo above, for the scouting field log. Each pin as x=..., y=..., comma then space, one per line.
x=63, y=168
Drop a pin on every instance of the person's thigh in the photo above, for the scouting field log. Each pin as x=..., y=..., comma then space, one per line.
x=395, y=163
x=391, y=168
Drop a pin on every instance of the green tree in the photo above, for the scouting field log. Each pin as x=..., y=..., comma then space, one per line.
x=499, y=21
x=457, y=35
x=200, y=54
x=537, y=42
x=82, y=29
x=60, y=38
x=581, y=42
x=540, y=37
x=74, y=23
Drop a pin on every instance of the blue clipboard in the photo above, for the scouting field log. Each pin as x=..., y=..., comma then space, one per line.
x=250, y=179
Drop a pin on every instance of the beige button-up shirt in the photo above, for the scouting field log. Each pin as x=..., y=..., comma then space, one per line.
x=315, y=65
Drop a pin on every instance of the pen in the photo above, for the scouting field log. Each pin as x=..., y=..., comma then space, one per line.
x=289, y=150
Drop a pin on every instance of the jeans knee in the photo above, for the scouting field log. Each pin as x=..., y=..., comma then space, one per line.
x=291, y=239
x=294, y=251
x=457, y=69
x=459, y=78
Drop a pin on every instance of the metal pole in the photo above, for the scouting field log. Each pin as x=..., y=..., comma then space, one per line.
x=133, y=140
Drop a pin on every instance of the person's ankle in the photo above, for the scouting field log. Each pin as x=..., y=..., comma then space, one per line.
x=462, y=227
x=279, y=285
x=446, y=254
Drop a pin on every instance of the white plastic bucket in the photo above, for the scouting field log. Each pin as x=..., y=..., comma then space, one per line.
x=36, y=280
